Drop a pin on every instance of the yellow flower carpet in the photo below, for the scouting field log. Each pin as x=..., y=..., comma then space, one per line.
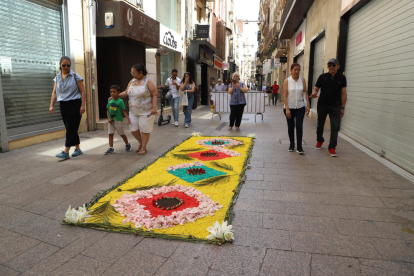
x=179, y=195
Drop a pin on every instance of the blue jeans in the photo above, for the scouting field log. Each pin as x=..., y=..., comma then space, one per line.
x=187, y=109
x=174, y=106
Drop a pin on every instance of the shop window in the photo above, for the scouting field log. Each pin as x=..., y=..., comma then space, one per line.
x=167, y=13
x=167, y=64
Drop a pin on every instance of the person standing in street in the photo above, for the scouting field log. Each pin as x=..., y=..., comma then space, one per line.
x=219, y=87
x=174, y=84
x=275, y=93
x=269, y=91
x=142, y=94
x=294, y=95
x=332, y=101
x=69, y=91
x=237, y=101
x=188, y=86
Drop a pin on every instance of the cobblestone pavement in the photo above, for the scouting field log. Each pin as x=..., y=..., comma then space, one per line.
x=296, y=215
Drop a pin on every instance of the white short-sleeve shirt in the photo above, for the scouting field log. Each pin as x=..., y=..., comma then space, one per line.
x=173, y=89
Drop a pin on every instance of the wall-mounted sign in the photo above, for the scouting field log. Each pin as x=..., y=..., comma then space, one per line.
x=218, y=63
x=170, y=39
x=225, y=66
x=6, y=65
x=300, y=38
x=128, y=22
x=206, y=57
x=202, y=31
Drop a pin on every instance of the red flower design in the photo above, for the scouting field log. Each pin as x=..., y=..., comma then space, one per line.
x=199, y=155
x=189, y=202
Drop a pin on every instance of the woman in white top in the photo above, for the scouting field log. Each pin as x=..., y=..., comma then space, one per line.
x=296, y=98
x=142, y=94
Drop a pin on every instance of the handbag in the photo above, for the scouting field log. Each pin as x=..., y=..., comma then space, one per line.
x=185, y=100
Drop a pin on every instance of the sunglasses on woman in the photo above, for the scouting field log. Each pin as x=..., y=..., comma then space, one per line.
x=64, y=65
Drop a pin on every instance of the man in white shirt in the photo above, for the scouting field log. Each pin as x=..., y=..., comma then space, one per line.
x=220, y=86
x=174, y=83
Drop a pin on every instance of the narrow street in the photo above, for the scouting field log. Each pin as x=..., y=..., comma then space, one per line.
x=296, y=215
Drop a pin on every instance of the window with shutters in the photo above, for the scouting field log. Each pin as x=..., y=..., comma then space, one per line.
x=31, y=35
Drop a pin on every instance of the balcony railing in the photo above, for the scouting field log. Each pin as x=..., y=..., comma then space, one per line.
x=283, y=44
x=138, y=3
x=275, y=30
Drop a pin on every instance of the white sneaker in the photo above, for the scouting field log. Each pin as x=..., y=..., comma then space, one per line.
x=186, y=126
x=173, y=123
x=176, y=123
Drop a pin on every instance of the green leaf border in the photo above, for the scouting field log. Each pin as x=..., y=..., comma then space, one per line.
x=120, y=228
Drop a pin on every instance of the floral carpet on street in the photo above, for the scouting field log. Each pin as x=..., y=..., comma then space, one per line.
x=179, y=195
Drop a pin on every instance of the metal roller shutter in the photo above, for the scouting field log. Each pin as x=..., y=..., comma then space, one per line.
x=318, y=65
x=380, y=73
x=31, y=35
x=301, y=60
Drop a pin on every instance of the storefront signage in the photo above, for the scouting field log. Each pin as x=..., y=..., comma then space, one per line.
x=226, y=66
x=129, y=22
x=202, y=31
x=300, y=38
x=206, y=57
x=170, y=39
x=218, y=63
x=139, y=26
x=6, y=65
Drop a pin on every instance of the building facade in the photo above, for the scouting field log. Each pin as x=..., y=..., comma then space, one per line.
x=29, y=61
x=371, y=39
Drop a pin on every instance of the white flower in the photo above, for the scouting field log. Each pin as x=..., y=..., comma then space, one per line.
x=229, y=236
x=195, y=134
x=220, y=231
x=252, y=135
x=77, y=216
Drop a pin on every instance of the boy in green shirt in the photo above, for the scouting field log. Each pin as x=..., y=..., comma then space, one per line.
x=114, y=111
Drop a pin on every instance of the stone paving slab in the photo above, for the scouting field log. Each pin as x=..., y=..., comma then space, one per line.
x=296, y=214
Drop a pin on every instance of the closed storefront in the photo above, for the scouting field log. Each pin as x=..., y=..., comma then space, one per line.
x=379, y=66
x=318, y=64
x=31, y=44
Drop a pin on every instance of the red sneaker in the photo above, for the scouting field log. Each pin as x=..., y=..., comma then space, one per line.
x=318, y=145
x=332, y=152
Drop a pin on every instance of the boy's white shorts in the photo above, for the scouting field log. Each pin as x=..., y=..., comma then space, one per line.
x=116, y=125
x=141, y=122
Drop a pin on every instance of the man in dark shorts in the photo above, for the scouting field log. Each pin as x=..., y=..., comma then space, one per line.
x=332, y=101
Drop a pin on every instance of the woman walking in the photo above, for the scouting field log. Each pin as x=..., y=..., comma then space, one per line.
x=294, y=95
x=142, y=94
x=188, y=86
x=69, y=91
x=237, y=101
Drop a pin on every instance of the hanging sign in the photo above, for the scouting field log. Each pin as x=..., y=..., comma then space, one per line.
x=6, y=65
